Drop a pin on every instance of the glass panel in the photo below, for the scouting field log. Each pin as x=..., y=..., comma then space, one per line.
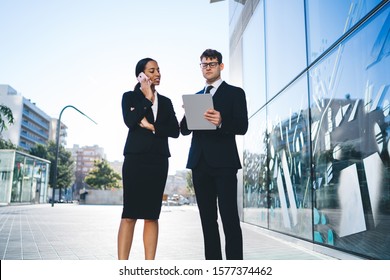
x=28, y=183
x=43, y=182
x=6, y=165
x=235, y=10
x=255, y=171
x=254, y=61
x=350, y=100
x=235, y=73
x=17, y=179
x=285, y=43
x=290, y=190
x=328, y=20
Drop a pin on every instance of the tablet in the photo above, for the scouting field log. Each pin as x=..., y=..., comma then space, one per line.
x=195, y=105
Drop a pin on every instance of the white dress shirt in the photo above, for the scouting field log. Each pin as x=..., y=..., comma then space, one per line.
x=155, y=106
x=215, y=85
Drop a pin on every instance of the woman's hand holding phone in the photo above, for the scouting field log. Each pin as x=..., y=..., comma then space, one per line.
x=145, y=85
x=142, y=77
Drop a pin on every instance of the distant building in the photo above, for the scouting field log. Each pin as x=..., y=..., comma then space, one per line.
x=53, y=132
x=84, y=158
x=117, y=167
x=31, y=125
x=177, y=183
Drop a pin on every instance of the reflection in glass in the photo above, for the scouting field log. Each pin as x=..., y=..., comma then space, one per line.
x=350, y=128
x=29, y=179
x=289, y=162
x=329, y=20
x=235, y=10
x=253, y=62
x=255, y=171
x=285, y=43
x=324, y=153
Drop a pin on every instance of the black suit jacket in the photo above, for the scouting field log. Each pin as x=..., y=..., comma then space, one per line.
x=219, y=146
x=141, y=140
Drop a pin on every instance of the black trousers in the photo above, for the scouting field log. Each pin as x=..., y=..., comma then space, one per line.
x=218, y=186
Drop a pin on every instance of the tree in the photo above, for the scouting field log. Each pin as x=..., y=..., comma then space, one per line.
x=102, y=176
x=190, y=184
x=4, y=145
x=6, y=116
x=65, y=170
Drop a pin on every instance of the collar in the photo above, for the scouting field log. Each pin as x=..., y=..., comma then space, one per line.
x=216, y=84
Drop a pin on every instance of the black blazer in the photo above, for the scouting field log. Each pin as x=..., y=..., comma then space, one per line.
x=219, y=146
x=141, y=140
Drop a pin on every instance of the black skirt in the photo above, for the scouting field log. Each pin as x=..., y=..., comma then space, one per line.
x=144, y=177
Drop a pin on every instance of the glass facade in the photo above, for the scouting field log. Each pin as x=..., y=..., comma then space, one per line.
x=317, y=152
x=23, y=178
x=289, y=186
x=255, y=166
x=285, y=42
x=324, y=28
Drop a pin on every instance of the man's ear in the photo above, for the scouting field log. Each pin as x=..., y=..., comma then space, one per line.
x=221, y=66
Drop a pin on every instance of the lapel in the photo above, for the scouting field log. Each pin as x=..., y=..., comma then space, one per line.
x=149, y=115
x=218, y=93
x=149, y=112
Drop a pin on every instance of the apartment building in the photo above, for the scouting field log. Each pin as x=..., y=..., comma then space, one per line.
x=31, y=124
x=85, y=158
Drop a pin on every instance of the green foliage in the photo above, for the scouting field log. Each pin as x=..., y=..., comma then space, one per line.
x=190, y=184
x=65, y=170
x=6, y=116
x=5, y=145
x=102, y=176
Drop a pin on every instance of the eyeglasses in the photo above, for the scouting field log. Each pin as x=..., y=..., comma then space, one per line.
x=211, y=64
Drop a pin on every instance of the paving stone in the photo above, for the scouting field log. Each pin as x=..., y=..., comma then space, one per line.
x=89, y=232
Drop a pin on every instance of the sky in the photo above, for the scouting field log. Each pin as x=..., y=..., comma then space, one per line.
x=83, y=53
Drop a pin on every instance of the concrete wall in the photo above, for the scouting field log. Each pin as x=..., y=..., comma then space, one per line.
x=101, y=197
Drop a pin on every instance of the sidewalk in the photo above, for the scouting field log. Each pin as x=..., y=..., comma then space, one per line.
x=89, y=232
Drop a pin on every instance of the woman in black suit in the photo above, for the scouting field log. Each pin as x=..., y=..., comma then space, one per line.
x=151, y=119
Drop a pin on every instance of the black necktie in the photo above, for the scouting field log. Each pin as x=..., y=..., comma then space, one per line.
x=208, y=89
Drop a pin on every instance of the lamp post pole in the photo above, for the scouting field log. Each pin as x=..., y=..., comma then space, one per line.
x=58, y=148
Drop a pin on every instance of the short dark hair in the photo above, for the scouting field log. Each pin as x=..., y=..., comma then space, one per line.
x=210, y=53
x=140, y=67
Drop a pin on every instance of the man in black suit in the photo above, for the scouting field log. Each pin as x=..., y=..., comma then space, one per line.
x=214, y=160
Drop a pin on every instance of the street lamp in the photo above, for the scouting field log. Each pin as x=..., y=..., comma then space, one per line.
x=58, y=147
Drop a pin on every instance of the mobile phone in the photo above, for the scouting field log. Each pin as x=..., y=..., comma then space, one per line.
x=142, y=77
